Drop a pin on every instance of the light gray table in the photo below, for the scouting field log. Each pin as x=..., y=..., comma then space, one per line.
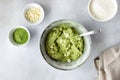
x=27, y=63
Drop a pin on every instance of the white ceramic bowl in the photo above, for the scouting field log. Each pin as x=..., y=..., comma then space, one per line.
x=11, y=36
x=71, y=65
x=114, y=2
x=31, y=5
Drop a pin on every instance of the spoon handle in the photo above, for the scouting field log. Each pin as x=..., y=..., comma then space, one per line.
x=91, y=32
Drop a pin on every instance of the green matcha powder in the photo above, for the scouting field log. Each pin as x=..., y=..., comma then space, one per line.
x=20, y=36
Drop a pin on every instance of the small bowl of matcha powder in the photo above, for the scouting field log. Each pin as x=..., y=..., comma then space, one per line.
x=19, y=36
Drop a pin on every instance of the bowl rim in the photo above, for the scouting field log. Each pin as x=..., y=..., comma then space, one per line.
x=30, y=5
x=104, y=20
x=11, y=36
x=40, y=45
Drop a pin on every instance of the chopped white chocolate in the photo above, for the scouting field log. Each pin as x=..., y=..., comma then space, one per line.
x=33, y=14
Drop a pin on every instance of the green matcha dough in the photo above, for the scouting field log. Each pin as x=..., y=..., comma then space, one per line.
x=64, y=44
x=20, y=36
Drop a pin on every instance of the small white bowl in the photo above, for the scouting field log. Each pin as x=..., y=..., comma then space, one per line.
x=11, y=36
x=106, y=19
x=32, y=5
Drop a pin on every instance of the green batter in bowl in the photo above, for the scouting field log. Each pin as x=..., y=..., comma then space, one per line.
x=64, y=44
x=62, y=47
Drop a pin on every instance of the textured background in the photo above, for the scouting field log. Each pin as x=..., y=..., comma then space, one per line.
x=27, y=63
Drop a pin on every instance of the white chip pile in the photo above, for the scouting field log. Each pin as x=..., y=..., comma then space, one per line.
x=33, y=14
